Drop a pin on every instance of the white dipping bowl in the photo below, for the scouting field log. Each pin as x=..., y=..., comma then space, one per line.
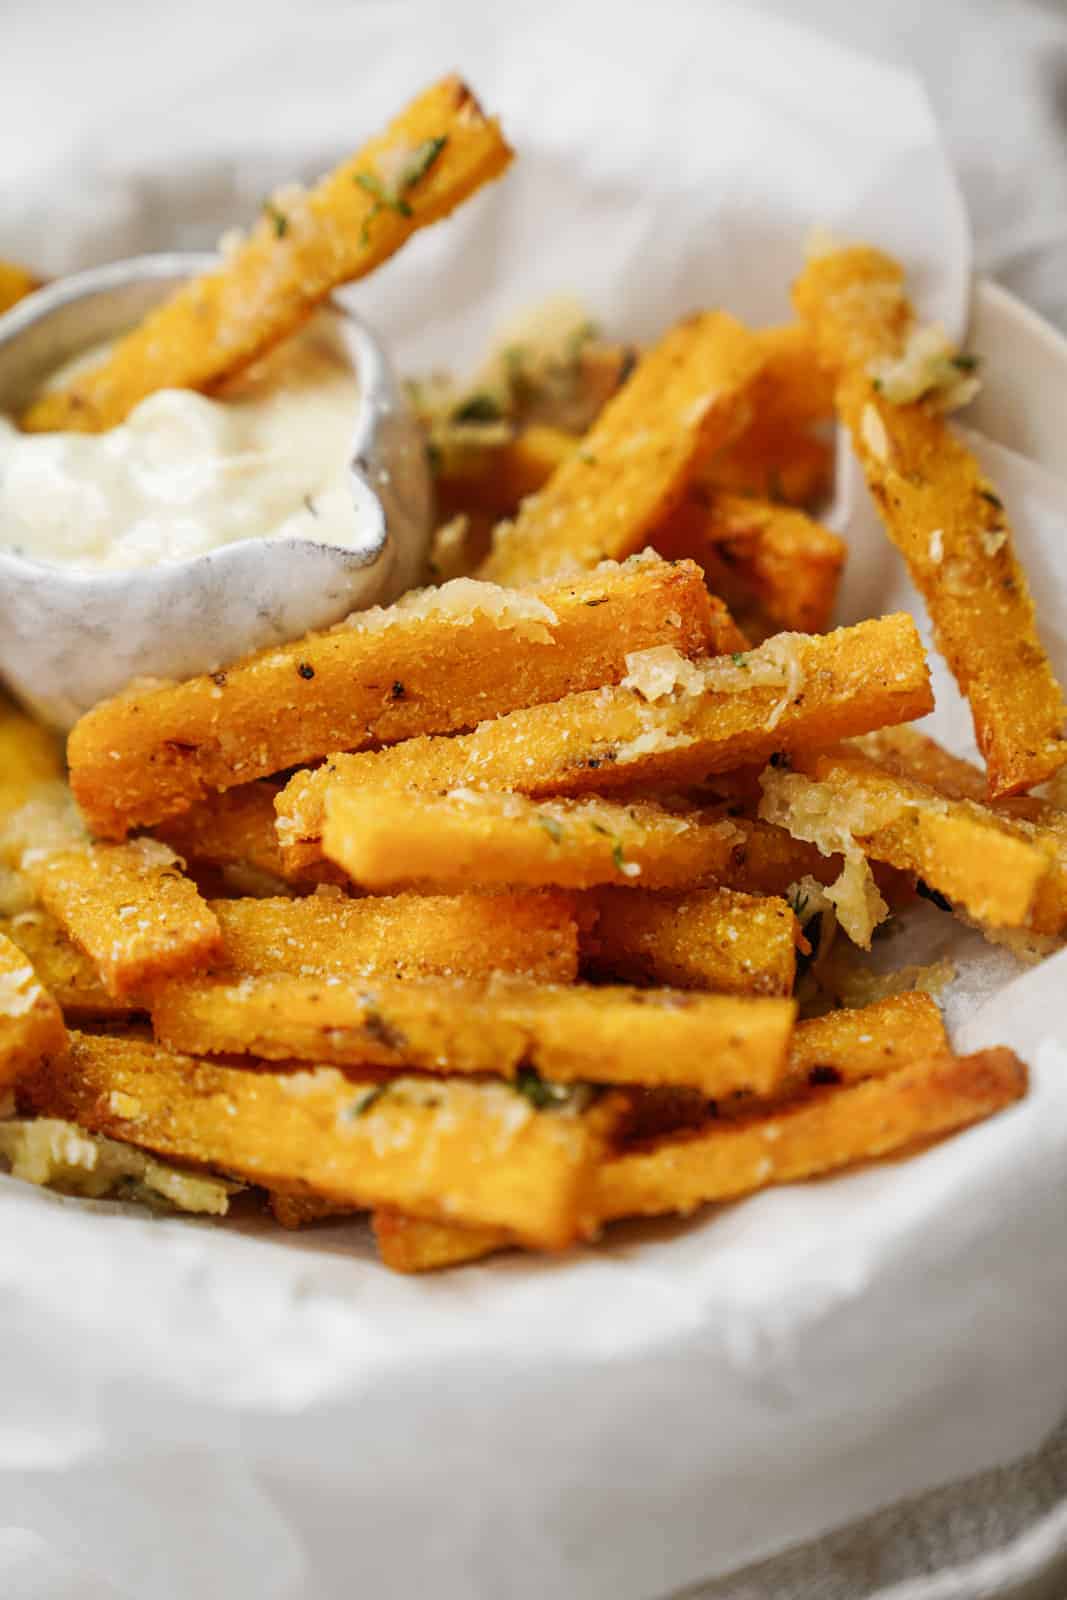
x=69, y=638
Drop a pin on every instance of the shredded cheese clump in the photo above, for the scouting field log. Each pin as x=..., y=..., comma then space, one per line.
x=928, y=366
x=459, y=602
x=58, y=1155
x=830, y=820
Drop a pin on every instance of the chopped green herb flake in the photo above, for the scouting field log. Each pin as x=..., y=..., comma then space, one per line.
x=278, y=217
x=798, y=901
x=581, y=336
x=382, y=1031
x=738, y=659
x=965, y=362
x=541, y=1094
x=993, y=499
x=479, y=408
x=363, y=1103
x=551, y=827
x=422, y=159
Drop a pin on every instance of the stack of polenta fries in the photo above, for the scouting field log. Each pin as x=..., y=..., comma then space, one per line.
x=483, y=912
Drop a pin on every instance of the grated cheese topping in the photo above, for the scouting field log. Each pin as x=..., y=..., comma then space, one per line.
x=19, y=991
x=459, y=602
x=928, y=366
x=872, y=431
x=58, y=1155
x=830, y=819
x=656, y=673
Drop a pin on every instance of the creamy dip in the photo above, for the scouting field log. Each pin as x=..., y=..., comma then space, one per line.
x=266, y=457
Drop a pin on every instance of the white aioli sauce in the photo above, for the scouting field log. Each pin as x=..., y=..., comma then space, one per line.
x=264, y=458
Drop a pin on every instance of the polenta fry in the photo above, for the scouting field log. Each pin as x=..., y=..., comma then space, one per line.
x=389, y=838
x=963, y=850
x=776, y=568
x=135, y=916
x=446, y=1149
x=462, y=935
x=31, y=1023
x=690, y=395
x=432, y=663
x=867, y=1042
x=688, y=720
x=944, y=517
x=494, y=481
x=412, y=1244
x=846, y=1047
x=65, y=970
x=797, y=387
x=825, y=1131
x=436, y=153
x=788, y=466
x=718, y=1043
x=711, y=939
x=235, y=829
x=29, y=757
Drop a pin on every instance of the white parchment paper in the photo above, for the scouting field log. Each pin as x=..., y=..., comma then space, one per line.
x=189, y=1409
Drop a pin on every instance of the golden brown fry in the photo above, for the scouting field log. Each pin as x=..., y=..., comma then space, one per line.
x=302, y=1210
x=916, y=757
x=462, y=935
x=786, y=465
x=911, y=754
x=943, y=516
x=849, y=1046
x=719, y=1043
x=797, y=388
x=825, y=1130
x=64, y=970
x=432, y=663
x=963, y=850
x=437, y=152
x=709, y=939
x=235, y=830
x=841, y=1048
x=468, y=1152
x=689, y=395
x=29, y=757
x=775, y=567
x=766, y=860
x=494, y=481
x=412, y=1244
x=922, y=1092
x=15, y=284
x=129, y=908
x=708, y=716
x=31, y=1024
x=778, y=457
x=388, y=838
x=846, y=1048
